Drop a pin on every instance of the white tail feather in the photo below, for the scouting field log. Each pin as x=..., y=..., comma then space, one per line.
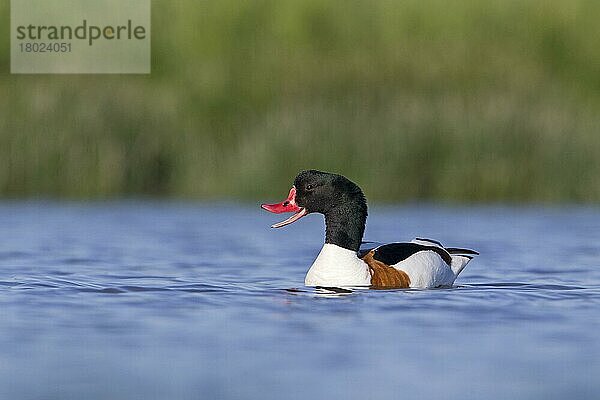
x=459, y=263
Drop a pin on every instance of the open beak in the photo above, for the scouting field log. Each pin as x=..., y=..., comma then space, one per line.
x=288, y=205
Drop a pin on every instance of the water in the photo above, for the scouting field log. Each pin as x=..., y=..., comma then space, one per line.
x=184, y=301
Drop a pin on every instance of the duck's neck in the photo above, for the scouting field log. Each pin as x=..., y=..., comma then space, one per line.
x=345, y=225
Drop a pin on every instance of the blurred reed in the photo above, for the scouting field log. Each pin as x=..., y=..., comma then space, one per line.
x=477, y=101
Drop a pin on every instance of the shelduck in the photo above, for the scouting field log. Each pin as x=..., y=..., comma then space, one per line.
x=342, y=262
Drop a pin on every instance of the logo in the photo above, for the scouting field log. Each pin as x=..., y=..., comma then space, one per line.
x=80, y=36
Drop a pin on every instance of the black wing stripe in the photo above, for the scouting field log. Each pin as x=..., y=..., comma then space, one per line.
x=393, y=253
x=462, y=252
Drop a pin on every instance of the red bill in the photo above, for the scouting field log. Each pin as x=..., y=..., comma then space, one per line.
x=288, y=205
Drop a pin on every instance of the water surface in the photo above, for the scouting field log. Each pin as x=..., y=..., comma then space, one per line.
x=142, y=300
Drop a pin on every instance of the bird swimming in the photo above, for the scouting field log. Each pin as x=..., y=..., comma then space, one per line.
x=342, y=262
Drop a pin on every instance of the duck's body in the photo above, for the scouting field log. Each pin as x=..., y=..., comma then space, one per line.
x=422, y=263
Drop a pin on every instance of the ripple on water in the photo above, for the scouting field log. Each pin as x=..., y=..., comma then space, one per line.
x=177, y=301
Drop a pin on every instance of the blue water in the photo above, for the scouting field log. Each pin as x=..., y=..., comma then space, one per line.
x=142, y=300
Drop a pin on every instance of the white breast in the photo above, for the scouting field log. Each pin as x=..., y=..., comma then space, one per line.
x=336, y=266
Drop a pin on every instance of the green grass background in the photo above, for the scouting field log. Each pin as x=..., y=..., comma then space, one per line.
x=476, y=101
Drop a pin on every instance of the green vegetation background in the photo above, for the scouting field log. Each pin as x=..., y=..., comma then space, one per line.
x=446, y=101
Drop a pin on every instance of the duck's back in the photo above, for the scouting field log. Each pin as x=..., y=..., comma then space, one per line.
x=425, y=262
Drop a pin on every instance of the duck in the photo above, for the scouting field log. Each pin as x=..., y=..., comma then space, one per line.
x=345, y=260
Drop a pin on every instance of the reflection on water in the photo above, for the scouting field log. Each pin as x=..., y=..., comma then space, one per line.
x=166, y=300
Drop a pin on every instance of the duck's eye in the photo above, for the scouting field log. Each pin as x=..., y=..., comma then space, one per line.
x=309, y=187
